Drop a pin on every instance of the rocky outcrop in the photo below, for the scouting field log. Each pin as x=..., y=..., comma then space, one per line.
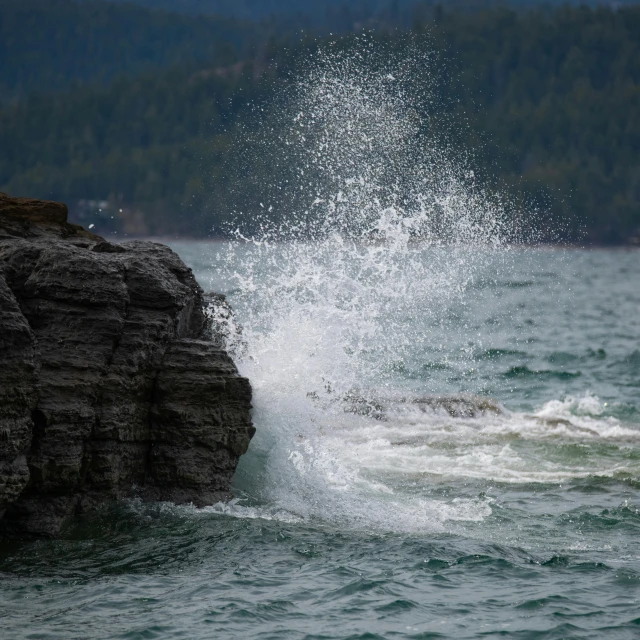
x=112, y=383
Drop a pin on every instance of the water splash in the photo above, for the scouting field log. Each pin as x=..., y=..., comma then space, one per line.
x=384, y=223
x=384, y=234
x=361, y=147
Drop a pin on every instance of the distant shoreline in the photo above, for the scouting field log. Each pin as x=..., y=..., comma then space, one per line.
x=166, y=239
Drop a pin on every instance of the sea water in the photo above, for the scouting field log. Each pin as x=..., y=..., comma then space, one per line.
x=448, y=419
x=366, y=509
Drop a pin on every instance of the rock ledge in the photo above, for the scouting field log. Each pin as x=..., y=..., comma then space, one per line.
x=112, y=383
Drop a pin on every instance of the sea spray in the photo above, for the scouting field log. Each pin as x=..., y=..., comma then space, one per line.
x=358, y=274
x=383, y=223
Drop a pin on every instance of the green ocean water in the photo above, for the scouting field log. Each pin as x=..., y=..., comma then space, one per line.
x=365, y=508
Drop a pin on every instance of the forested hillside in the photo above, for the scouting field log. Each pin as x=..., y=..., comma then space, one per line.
x=549, y=101
x=258, y=9
x=358, y=9
x=50, y=45
x=556, y=100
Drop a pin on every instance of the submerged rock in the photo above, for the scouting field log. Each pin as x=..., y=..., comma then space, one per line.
x=460, y=406
x=111, y=382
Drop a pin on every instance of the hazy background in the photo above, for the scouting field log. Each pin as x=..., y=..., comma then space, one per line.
x=137, y=114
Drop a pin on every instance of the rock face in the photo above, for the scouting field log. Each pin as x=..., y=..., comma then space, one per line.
x=112, y=382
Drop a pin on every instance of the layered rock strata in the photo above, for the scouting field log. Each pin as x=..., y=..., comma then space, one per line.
x=112, y=382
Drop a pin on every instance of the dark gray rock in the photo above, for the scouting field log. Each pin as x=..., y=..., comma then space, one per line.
x=111, y=382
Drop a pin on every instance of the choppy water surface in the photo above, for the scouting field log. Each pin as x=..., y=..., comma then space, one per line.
x=376, y=513
x=448, y=424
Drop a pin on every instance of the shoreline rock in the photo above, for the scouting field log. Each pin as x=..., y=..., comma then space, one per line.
x=111, y=382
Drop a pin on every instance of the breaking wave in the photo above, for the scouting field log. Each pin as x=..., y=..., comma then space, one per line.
x=367, y=272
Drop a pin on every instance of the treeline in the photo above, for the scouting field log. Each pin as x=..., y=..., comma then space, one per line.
x=51, y=45
x=550, y=101
x=259, y=9
x=554, y=108
x=146, y=144
x=324, y=11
